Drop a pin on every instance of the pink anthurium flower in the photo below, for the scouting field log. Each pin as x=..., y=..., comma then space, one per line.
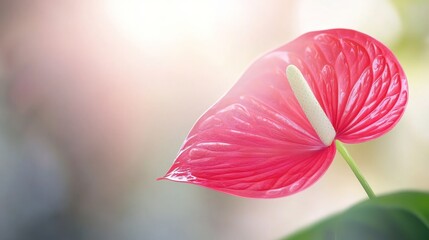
x=272, y=134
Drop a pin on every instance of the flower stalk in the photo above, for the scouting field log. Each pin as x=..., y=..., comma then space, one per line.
x=343, y=151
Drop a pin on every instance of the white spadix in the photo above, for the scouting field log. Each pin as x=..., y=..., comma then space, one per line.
x=309, y=104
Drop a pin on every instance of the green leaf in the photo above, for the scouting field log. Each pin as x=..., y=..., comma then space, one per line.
x=403, y=215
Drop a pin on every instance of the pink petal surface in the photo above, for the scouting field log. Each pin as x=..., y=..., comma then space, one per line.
x=256, y=140
x=357, y=80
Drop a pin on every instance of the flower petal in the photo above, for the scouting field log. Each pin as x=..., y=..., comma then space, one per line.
x=357, y=80
x=256, y=141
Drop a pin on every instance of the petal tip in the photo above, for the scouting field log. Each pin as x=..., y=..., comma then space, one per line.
x=161, y=178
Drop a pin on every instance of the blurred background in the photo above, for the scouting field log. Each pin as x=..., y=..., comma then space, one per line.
x=96, y=98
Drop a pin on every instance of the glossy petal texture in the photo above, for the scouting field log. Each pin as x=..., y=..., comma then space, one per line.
x=357, y=80
x=256, y=140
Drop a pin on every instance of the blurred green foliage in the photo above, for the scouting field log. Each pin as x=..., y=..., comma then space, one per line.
x=403, y=215
x=414, y=39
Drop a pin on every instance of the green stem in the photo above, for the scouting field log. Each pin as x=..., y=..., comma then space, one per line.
x=343, y=151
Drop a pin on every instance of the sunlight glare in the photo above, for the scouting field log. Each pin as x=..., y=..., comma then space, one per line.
x=163, y=23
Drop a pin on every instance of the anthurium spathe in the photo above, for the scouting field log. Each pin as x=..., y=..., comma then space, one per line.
x=272, y=134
